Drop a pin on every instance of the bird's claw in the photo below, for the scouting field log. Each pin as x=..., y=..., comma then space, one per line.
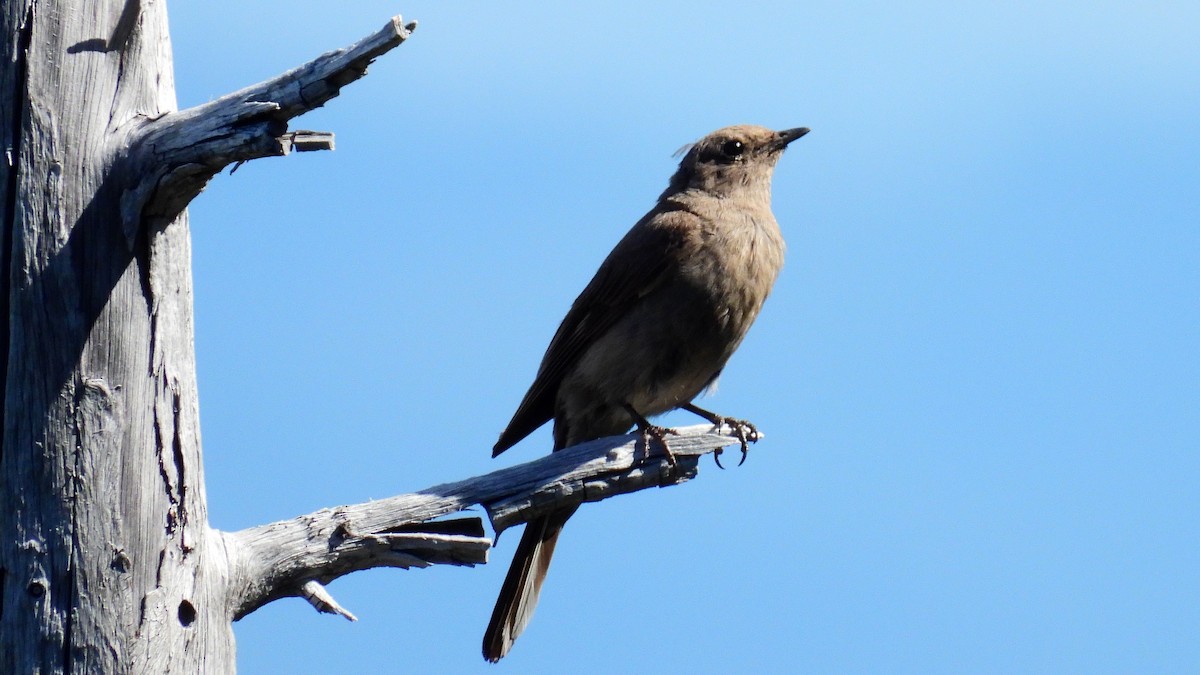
x=745, y=431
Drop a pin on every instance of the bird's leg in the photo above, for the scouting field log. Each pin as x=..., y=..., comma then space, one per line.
x=649, y=431
x=743, y=429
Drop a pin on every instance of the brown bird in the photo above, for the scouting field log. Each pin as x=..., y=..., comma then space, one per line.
x=653, y=328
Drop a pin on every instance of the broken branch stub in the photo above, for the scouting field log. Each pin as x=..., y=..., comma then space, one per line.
x=176, y=154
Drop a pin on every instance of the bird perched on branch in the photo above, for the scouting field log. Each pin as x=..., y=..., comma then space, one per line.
x=653, y=328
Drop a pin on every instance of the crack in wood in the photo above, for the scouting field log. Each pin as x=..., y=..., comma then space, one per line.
x=160, y=450
x=180, y=482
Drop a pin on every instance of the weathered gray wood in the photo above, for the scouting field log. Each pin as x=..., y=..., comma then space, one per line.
x=101, y=494
x=107, y=563
x=279, y=559
x=322, y=601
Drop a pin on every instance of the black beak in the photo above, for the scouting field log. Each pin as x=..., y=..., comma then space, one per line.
x=788, y=135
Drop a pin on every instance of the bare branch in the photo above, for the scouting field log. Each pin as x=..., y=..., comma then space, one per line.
x=277, y=560
x=176, y=154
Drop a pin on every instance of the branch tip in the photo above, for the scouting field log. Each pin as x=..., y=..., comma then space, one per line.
x=322, y=601
x=400, y=29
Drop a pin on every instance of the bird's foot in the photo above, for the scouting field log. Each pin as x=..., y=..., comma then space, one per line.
x=745, y=431
x=652, y=431
x=660, y=434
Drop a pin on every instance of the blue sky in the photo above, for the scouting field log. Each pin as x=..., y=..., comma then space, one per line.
x=978, y=373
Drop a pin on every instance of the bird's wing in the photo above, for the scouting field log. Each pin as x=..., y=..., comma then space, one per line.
x=637, y=265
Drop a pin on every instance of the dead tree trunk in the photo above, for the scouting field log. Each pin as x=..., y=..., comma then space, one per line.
x=107, y=562
x=102, y=501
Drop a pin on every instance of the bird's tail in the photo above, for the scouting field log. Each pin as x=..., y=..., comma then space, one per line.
x=519, y=594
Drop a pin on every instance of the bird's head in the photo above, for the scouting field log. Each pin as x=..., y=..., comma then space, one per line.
x=731, y=160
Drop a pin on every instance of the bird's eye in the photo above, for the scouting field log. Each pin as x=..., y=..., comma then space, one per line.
x=732, y=149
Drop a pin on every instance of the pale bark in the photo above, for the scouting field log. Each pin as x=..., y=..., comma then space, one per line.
x=106, y=560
